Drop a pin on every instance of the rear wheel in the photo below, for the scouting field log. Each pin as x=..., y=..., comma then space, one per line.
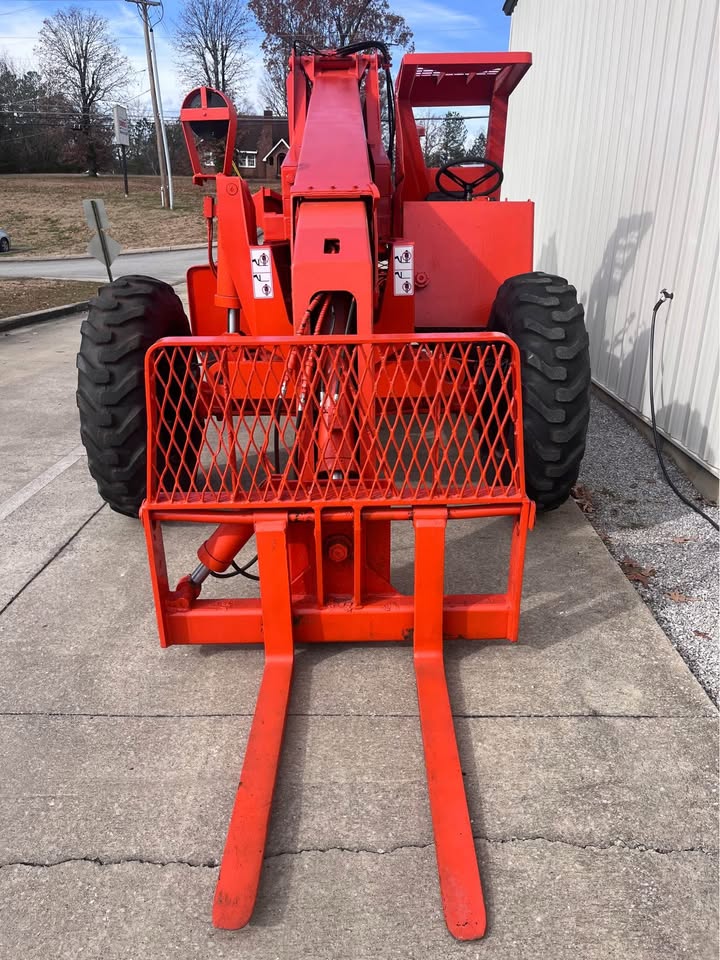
x=124, y=320
x=541, y=313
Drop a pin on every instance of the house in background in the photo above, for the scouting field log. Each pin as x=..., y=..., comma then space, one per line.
x=261, y=145
x=613, y=133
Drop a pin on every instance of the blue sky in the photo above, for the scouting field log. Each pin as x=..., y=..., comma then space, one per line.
x=449, y=25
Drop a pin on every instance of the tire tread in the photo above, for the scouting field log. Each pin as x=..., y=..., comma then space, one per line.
x=541, y=313
x=125, y=318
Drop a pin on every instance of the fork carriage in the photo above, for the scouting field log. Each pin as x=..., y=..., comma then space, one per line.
x=316, y=459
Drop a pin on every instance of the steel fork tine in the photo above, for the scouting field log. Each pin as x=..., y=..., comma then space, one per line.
x=241, y=864
x=460, y=886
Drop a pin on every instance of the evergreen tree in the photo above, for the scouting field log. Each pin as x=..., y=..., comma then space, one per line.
x=451, y=137
x=478, y=146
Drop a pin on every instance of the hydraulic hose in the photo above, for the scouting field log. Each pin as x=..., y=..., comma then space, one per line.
x=665, y=296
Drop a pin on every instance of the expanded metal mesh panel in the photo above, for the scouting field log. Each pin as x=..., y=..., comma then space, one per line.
x=244, y=422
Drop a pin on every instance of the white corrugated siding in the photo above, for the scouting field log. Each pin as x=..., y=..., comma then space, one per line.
x=613, y=132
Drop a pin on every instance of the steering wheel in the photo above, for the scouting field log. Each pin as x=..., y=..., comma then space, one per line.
x=495, y=174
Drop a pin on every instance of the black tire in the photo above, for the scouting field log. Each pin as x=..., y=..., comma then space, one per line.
x=4, y=244
x=124, y=320
x=541, y=313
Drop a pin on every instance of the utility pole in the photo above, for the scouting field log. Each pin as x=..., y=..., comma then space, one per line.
x=142, y=6
x=162, y=125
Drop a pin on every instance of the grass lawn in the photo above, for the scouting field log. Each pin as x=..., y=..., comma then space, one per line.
x=43, y=213
x=25, y=295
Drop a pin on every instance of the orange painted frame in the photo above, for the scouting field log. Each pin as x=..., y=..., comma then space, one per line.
x=279, y=622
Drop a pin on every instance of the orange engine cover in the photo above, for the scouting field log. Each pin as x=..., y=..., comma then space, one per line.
x=465, y=251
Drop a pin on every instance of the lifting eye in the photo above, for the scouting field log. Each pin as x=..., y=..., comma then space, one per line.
x=332, y=245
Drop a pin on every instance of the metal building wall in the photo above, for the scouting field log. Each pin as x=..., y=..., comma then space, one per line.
x=613, y=133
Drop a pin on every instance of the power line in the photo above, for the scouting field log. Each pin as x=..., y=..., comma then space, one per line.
x=55, y=4
x=27, y=136
x=59, y=114
x=116, y=36
x=70, y=113
x=128, y=99
x=462, y=116
x=67, y=116
x=56, y=114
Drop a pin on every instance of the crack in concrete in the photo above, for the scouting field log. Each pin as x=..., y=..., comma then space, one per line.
x=110, y=862
x=616, y=844
x=377, y=851
x=47, y=563
x=212, y=863
x=535, y=838
x=350, y=716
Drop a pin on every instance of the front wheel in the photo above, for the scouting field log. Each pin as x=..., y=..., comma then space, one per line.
x=541, y=313
x=126, y=318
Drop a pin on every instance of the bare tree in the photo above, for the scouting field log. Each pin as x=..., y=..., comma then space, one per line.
x=271, y=97
x=305, y=24
x=211, y=39
x=80, y=60
x=431, y=128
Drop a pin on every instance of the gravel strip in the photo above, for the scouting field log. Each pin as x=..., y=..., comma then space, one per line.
x=669, y=553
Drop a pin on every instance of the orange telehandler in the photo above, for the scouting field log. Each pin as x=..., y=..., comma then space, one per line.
x=368, y=346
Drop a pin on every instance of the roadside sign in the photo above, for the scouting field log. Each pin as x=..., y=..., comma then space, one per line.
x=122, y=126
x=95, y=248
x=102, y=246
x=96, y=214
x=122, y=137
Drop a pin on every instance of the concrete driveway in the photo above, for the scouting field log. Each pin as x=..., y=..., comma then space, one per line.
x=168, y=265
x=590, y=752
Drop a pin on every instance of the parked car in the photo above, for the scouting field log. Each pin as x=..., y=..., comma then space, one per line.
x=4, y=242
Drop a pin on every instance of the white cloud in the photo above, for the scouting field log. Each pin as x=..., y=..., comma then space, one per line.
x=424, y=13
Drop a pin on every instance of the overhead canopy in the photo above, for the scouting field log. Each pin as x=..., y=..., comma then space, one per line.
x=459, y=79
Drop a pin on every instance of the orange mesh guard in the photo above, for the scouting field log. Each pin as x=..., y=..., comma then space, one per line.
x=397, y=422
x=316, y=445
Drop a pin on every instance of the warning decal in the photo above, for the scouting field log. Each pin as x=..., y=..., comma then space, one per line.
x=262, y=275
x=403, y=258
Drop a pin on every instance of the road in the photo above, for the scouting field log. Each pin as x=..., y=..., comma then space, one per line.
x=168, y=265
x=589, y=750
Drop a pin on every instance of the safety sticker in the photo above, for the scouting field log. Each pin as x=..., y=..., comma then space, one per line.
x=262, y=275
x=403, y=270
